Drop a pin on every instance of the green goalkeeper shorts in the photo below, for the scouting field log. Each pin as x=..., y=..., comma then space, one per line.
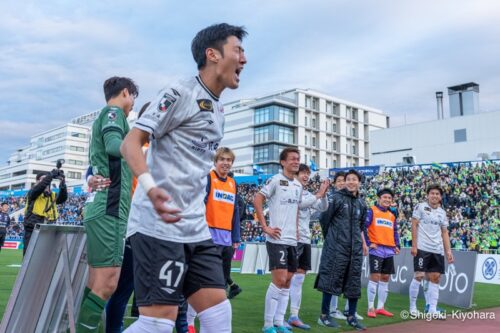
x=105, y=241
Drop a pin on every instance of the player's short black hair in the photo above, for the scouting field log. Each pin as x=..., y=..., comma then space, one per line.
x=385, y=190
x=4, y=203
x=434, y=187
x=114, y=86
x=337, y=175
x=214, y=36
x=353, y=172
x=304, y=168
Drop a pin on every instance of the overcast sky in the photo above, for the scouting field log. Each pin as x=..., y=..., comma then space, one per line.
x=391, y=55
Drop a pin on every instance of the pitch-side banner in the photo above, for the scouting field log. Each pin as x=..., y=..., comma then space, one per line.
x=488, y=268
x=455, y=289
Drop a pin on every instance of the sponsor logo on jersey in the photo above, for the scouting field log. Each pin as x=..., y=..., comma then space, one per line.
x=383, y=223
x=428, y=209
x=283, y=182
x=288, y=201
x=176, y=93
x=112, y=115
x=203, y=145
x=166, y=102
x=205, y=105
x=224, y=196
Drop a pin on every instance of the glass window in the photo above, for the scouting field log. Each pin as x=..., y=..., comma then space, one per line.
x=261, y=153
x=285, y=134
x=261, y=134
x=286, y=115
x=313, y=123
x=329, y=107
x=315, y=102
x=308, y=102
x=78, y=135
x=305, y=141
x=305, y=120
x=262, y=115
x=314, y=141
x=460, y=135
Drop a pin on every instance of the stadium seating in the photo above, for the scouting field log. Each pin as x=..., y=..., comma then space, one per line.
x=471, y=199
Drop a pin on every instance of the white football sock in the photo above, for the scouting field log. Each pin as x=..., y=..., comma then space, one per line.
x=414, y=288
x=383, y=289
x=216, y=319
x=271, y=304
x=425, y=288
x=433, y=296
x=279, y=317
x=151, y=325
x=296, y=293
x=190, y=315
x=372, y=292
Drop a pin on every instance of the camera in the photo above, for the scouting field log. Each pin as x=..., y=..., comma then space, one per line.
x=60, y=173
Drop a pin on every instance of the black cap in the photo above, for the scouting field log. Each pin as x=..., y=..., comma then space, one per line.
x=383, y=191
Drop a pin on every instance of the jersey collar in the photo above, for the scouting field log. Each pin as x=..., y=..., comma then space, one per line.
x=198, y=78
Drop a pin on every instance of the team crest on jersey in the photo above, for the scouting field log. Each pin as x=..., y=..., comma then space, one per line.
x=428, y=209
x=205, y=105
x=112, y=115
x=166, y=102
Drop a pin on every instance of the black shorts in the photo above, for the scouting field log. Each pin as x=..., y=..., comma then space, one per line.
x=428, y=262
x=304, y=256
x=282, y=257
x=166, y=271
x=381, y=265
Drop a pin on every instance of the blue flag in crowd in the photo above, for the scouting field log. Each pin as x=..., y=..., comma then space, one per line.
x=257, y=170
x=313, y=166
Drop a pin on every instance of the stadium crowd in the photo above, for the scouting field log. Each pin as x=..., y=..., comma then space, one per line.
x=471, y=199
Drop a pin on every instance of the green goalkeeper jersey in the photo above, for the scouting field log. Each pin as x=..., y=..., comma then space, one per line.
x=115, y=200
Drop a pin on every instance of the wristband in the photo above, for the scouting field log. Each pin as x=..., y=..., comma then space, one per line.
x=147, y=182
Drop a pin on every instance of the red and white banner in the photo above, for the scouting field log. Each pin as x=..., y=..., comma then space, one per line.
x=12, y=245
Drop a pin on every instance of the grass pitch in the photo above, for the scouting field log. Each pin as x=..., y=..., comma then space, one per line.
x=248, y=307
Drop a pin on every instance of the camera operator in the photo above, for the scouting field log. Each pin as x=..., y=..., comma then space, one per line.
x=41, y=202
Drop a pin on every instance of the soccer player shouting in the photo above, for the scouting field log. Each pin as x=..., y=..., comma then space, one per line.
x=173, y=251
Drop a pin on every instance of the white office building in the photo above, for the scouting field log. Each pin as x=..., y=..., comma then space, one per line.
x=328, y=131
x=465, y=138
x=69, y=142
x=467, y=135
